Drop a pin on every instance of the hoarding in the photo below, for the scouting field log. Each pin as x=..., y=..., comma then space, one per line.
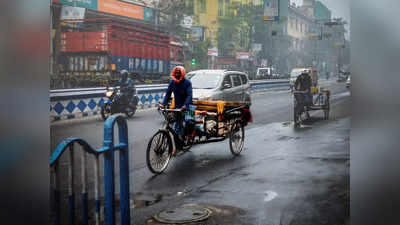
x=148, y=14
x=88, y=4
x=271, y=10
x=121, y=8
x=242, y=55
x=197, y=33
x=212, y=52
x=187, y=22
x=72, y=13
x=148, y=3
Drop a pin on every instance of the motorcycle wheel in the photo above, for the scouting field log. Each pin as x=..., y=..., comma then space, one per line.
x=106, y=111
x=159, y=152
x=130, y=111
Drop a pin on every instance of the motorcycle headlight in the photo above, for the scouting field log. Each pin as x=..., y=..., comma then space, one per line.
x=109, y=93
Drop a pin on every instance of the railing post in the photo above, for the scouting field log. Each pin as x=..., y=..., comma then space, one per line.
x=97, y=189
x=84, y=190
x=124, y=173
x=56, y=196
x=71, y=202
x=109, y=187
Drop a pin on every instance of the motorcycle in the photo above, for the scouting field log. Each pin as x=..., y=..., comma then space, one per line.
x=114, y=104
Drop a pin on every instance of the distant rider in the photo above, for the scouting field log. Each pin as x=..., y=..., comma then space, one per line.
x=127, y=87
x=304, y=83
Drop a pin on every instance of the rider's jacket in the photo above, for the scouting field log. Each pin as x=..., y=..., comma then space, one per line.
x=182, y=93
x=127, y=87
x=303, y=83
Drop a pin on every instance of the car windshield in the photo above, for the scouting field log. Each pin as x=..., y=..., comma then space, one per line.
x=205, y=80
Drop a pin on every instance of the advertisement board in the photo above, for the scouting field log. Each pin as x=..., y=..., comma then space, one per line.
x=212, y=52
x=271, y=10
x=242, y=55
x=121, y=8
x=187, y=22
x=148, y=3
x=197, y=33
x=72, y=13
x=88, y=4
x=148, y=14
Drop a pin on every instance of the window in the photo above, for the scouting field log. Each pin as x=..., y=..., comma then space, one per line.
x=220, y=7
x=227, y=5
x=227, y=80
x=236, y=80
x=203, y=6
x=301, y=27
x=244, y=79
x=297, y=25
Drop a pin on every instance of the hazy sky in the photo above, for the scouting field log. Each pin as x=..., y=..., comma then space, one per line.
x=339, y=8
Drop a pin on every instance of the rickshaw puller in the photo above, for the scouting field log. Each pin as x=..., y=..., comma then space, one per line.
x=182, y=89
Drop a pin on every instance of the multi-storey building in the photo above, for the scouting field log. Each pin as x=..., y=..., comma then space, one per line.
x=208, y=12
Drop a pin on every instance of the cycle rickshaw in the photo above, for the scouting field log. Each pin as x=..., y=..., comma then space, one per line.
x=205, y=122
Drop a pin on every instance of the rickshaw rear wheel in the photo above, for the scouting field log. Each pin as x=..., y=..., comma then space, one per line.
x=159, y=152
x=236, y=139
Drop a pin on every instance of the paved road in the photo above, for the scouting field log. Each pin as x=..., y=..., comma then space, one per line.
x=267, y=107
x=284, y=176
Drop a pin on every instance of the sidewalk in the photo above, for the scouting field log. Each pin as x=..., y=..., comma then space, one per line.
x=284, y=176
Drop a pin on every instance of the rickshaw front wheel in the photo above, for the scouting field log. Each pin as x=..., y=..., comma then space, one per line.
x=159, y=152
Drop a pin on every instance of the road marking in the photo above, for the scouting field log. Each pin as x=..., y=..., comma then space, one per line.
x=270, y=195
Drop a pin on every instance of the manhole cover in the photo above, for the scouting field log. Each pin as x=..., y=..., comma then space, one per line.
x=185, y=214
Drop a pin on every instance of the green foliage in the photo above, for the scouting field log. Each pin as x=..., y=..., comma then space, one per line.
x=245, y=25
x=200, y=49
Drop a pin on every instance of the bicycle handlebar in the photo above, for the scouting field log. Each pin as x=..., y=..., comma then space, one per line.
x=299, y=92
x=171, y=110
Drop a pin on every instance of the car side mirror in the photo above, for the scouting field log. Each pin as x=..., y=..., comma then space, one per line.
x=227, y=86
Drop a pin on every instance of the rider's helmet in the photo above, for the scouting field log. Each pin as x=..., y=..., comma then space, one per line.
x=123, y=74
x=178, y=73
x=304, y=73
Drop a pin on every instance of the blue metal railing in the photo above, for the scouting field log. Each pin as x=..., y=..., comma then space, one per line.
x=108, y=149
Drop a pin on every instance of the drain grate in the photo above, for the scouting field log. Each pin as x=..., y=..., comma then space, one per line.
x=184, y=214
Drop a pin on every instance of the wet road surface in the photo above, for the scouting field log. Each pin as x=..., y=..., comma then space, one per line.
x=284, y=176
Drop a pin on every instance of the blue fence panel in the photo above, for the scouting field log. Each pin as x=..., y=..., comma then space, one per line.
x=108, y=149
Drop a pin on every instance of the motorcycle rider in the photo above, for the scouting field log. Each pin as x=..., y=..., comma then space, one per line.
x=182, y=89
x=127, y=87
x=304, y=83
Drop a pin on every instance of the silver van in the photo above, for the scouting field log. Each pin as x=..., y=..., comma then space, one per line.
x=225, y=85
